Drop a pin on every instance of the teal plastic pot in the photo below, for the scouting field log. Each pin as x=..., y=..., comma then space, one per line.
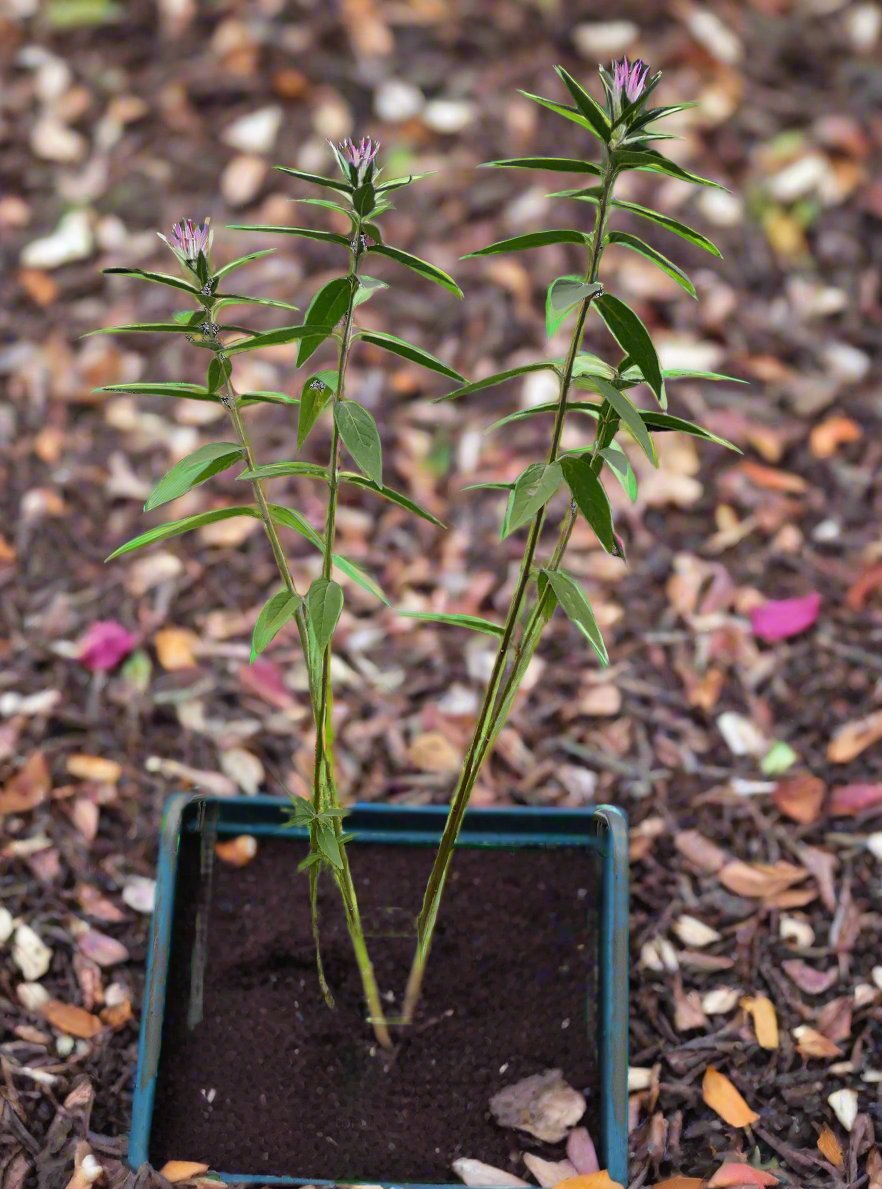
x=601, y=830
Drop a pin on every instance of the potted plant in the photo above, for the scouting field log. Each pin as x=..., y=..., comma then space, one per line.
x=268, y=1053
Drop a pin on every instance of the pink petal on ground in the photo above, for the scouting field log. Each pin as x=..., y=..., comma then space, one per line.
x=808, y=978
x=580, y=1151
x=105, y=644
x=778, y=619
x=851, y=799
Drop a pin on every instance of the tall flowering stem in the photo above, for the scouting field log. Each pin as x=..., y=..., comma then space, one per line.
x=624, y=129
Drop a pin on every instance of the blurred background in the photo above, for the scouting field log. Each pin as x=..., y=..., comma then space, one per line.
x=118, y=119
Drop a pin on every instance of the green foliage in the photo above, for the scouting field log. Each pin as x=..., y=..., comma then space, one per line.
x=573, y=601
x=473, y=622
x=324, y=604
x=276, y=612
x=633, y=337
x=429, y=272
x=533, y=239
x=532, y=491
x=564, y=294
x=193, y=470
x=592, y=501
x=397, y=346
x=360, y=436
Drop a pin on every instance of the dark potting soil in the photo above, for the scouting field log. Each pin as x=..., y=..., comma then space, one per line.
x=273, y=1082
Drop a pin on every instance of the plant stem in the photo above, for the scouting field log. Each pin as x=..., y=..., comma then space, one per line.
x=323, y=777
x=484, y=732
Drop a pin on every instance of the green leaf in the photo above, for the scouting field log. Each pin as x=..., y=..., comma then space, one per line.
x=389, y=493
x=160, y=278
x=620, y=466
x=191, y=471
x=228, y=268
x=316, y=179
x=361, y=438
x=397, y=346
x=688, y=373
x=325, y=237
x=489, y=487
x=649, y=160
x=533, y=239
x=265, y=396
x=628, y=412
x=184, y=391
x=147, y=328
x=564, y=294
x=324, y=604
x=367, y=287
x=474, y=622
x=586, y=364
x=532, y=491
x=662, y=422
x=554, y=164
x=278, y=610
x=326, y=309
x=234, y=299
x=275, y=470
x=674, y=225
x=569, y=113
x=326, y=840
x=429, y=271
x=291, y=519
x=317, y=391
x=407, y=180
x=360, y=577
x=592, y=501
x=633, y=337
x=534, y=410
x=626, y=240
x=174, y=528
x=572, y=598
x=497, y=378
x=587, y=105
x=272, y=338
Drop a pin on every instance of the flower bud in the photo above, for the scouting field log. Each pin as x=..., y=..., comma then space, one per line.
x=189, y=239
x=359, y=158
x=629, y=80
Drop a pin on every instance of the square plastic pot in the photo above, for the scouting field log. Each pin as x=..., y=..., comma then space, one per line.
x=601, y=830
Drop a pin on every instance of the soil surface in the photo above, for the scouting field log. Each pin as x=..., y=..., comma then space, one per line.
x=313, y=1096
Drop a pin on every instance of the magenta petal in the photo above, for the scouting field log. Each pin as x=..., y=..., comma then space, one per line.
x=778, y=619
x=105, y=644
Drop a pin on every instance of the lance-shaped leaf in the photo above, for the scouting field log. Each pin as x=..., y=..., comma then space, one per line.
x=158, y=278
x=273, y=338
x=664, y=422
x=674, y=225
x=573, y=114
x=389, y=493
x=648, y=159
x=174, y=528
x=626, y=240
x=276, y=470
x=361, y=438
x=620, y=466
x=234, y=264
x=532, y=491
x=535, y=410
x=497, y=378
x=360, y=577
x=147, y=327
x=289, y=518
x=572, y=598
x=316, y=179
x=325, y=237
x=591, y=500
x=627, y=411
x=587, y=364
x=278, y=610
x=236, y=299
x=554, y=164
x=533, y=239
x=266, y=396
x=422, y=267
x=406, y=180
x=178, y=389
x=324, y=604
x=633, y=337
x=564, y=294
x=367, y=287
x=688, y=373
x=326, y=309
x=587, y=105
x=328, y=843
x=397, y=346
x=208, y=460
x=473, y=622
x=317, y=391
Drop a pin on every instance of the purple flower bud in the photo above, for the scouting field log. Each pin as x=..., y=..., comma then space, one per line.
x=629, y=79
x=188, y=239
x=360, y=157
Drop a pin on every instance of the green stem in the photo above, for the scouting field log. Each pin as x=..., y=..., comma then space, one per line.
x=484, y=728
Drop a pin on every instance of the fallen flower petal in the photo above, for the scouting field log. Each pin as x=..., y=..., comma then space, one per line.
x=105, y=644
x=734, y=1174
x=854, y=737
x=779, y=619
x=849, y=800
x=760, y=880
x=723, y=1098
x=800, y=798
x=765, y=1021
x=581, y=1151
x=104, y=950
x=75, y=1021
x=811, y=1043
x=807, y=978
x=828, y=1146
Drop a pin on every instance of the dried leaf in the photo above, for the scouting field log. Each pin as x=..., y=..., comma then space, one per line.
x=828, y=1146
x=96, y=768
x=680, y=1183
x=723, y=1098
x=543, y=1105
x=140, y=894
x=845, y=1107
x=800, y=798
x=854, y=737
x=807, y=978
x=760, y=880
x=811, y=1043
x=175, y=648
x=693, y=932
x=765, y=1021
x=238, y=851
x=75, y=1021
x=733, y=1175
x=28, y=788
x=700, y=851
x=826, y=437
x=104, y=950
x=182, y=1170
x=477, y=1174
x=549, y=1172
x=30, y=953
x=850, y=800
x=594, y=1180
x=433, y=752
